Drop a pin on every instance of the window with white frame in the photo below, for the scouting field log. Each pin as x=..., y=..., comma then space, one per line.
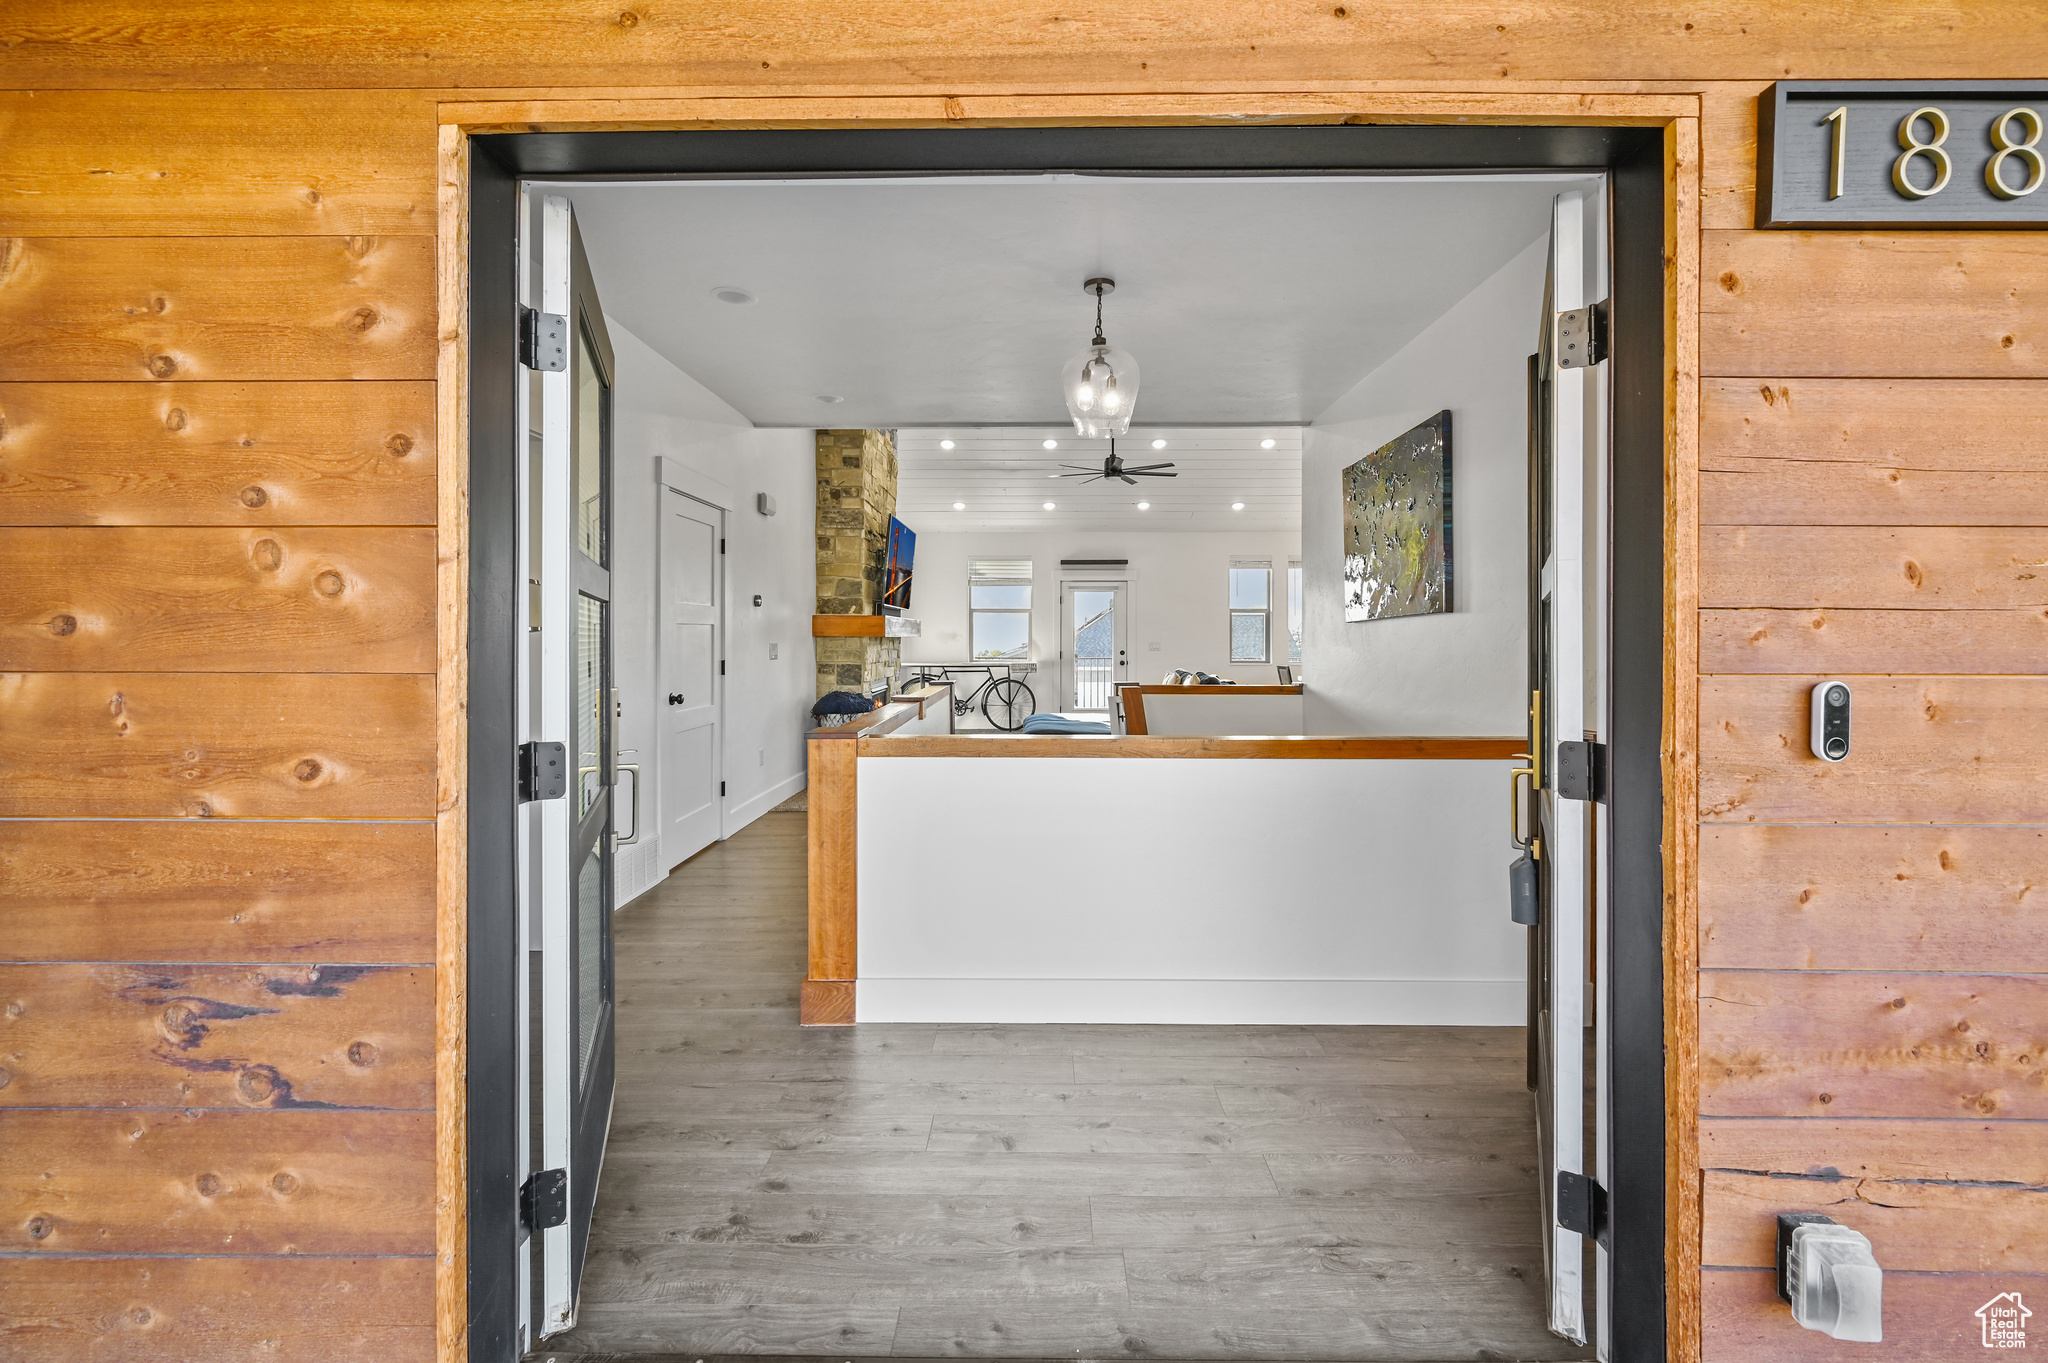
x=1251, y=607
x=1294, y=611
x=999, y=609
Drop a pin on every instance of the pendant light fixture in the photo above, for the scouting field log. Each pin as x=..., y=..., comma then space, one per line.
x=1100, y=383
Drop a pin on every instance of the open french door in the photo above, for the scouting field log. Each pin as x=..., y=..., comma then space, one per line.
x=1565, y=828
x=569, y=763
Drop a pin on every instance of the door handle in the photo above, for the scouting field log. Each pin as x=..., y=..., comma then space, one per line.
x=634, y=836
x=675, y=698
x=1529, y=844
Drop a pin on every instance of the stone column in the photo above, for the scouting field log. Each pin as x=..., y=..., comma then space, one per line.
x=856, y=497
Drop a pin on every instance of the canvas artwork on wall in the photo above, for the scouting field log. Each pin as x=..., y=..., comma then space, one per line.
x=1397, y=526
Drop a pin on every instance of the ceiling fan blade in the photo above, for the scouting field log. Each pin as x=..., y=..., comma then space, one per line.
x=1135, y=468
x=1084, y=473
x=1143, y=473
x=1128, y=479
x=1085, y=468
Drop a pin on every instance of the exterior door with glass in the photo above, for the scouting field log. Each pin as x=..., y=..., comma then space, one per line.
x=1094, y=634
x=1564, y=822
x=567, y=881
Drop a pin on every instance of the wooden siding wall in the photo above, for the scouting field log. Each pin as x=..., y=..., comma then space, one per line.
x=218, y=729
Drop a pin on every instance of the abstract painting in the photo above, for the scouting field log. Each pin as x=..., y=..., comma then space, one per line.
x=1397, y=526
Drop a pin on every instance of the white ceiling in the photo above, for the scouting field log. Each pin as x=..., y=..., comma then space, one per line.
x=952, y=300
x=1002, y=474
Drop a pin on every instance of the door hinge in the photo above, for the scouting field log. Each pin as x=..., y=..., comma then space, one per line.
x=543, y=340
x=721, y=789
x=721, y=667
x=1582, y=1205
x=1582, y=336
x=543, y=771
x=544, y=1199
x=1582, y=771
x=721, y=545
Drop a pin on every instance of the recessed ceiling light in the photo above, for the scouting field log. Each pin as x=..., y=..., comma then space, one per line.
x=1266, y=444
x=959, y=506
x=726, y=293
x=1144, y=506
x=1048, y=506
x=945, y=444
x=829, y=398
x=1159, y=444
x=1052, y=444
x=1237, y=506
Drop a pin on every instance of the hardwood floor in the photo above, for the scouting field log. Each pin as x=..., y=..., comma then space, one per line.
x=1132, y=1191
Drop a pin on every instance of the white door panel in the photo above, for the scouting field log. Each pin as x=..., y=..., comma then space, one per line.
x=692, y=643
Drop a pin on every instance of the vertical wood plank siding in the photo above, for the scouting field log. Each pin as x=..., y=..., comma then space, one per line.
x=221, y=301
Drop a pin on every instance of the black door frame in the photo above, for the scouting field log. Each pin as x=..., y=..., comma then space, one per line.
x=1632, y=157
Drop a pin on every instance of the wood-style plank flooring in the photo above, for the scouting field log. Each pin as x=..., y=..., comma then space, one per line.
x=1128, y=1191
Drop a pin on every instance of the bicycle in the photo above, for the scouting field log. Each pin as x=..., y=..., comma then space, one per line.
x=1006, y=702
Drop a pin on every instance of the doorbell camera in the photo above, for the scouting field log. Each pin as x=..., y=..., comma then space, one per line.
x=1830, y=730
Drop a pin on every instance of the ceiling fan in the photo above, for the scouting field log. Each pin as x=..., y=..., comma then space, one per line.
x=1113, y=467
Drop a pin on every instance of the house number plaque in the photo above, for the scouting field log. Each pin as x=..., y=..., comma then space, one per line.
x=1892, y=154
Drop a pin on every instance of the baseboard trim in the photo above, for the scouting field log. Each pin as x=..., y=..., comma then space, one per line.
x=1425, y=1003
x=740, y=815
x=825, y=1003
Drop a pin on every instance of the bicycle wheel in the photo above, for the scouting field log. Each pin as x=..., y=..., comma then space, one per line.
x=1009, y=704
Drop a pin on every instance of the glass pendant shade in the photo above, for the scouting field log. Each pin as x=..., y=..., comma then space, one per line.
x=1101, y=387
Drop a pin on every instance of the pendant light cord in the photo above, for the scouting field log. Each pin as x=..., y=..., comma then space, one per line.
x=1098, y=319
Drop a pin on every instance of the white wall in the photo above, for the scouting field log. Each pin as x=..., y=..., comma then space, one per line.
x=1463, y=672
x=1278, y=891
x=659, y=410
x=1178, y=604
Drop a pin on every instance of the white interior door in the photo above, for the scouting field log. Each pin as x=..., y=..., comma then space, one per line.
x=692, y=648
x=1094, y=635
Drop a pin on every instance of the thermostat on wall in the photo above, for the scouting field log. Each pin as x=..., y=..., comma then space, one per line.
x=1829, y=732
x=764, y=503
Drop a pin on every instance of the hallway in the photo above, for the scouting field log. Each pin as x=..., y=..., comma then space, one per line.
x=922, y=1191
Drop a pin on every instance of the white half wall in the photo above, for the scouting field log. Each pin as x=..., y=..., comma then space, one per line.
x=1461, y=672
x=1185, y=890
x=659, y=411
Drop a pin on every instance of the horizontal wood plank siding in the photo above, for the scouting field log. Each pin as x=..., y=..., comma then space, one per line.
x=194, y=599
x=170, y=1310
x=1820, y=1044
x=217, y=453
x=218, y=1036
x=887, y=47
x=208, y=1182
x=1834, y=642
x=1928, y=1317
x=1912, y=567
x=152, y=745
x=288, y=308
x=1811, y=897
x=199, y=163
x=1922, y=750
x=1850, y=304
x=299, y=892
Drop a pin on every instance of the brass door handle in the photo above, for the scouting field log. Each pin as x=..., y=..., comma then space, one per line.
x=1515, y=804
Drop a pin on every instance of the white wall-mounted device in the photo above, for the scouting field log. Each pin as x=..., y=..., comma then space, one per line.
x=1831, y=1277
x=1828, y=731
x=764, y=503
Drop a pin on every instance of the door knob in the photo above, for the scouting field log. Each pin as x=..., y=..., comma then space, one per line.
x=675, y=698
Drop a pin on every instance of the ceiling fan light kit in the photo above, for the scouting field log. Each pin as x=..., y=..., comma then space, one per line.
x=1101, y=383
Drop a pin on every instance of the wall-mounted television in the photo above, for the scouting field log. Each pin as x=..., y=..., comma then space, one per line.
x=896, y=569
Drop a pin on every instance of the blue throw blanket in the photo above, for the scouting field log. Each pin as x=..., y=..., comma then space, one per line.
x=1060, y=724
